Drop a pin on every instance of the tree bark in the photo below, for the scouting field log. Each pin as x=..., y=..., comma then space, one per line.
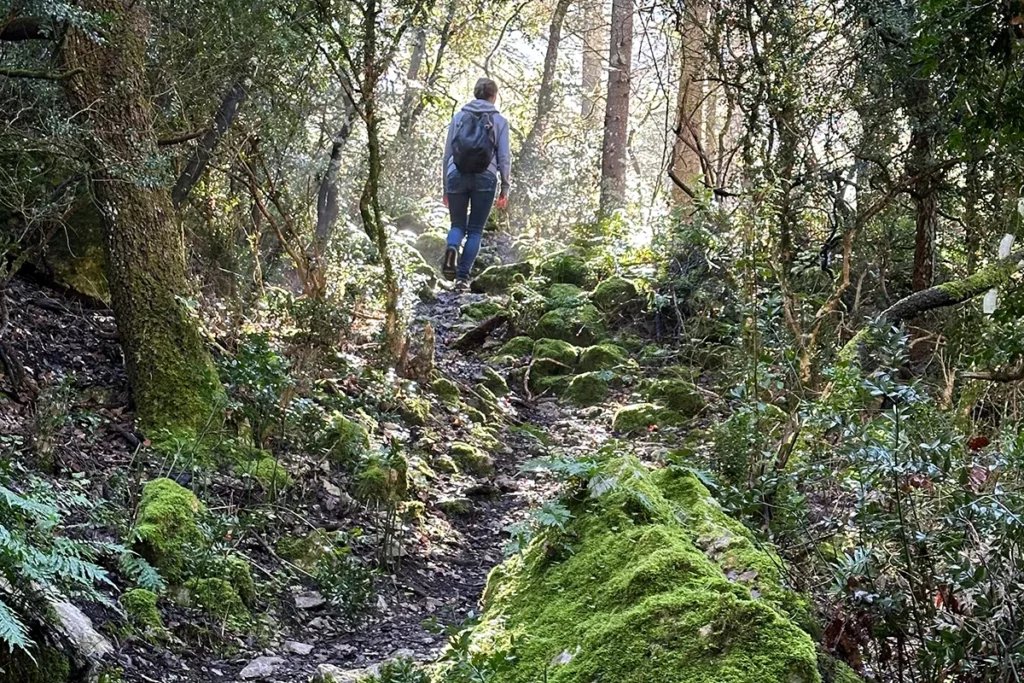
x=412, y=96
x=172, y=377
x=616, y=117
x=686, y=157
x=531, y=157
x=594, y=35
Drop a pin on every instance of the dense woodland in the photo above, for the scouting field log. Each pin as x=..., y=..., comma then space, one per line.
x=735, y=395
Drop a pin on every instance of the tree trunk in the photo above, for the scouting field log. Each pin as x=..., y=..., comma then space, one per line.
x=616, y=117
x=530, y=159
x=412, y=94
x=594, y=34
x=686, y=159
x=173, y=380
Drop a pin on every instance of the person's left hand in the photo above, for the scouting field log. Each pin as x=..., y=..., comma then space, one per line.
x=502, y=201
x=444, y=198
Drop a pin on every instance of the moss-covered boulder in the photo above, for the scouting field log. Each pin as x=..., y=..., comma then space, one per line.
x=602, y=357
x=579, y=325
x=552, y=358
x=382, y=480
x=615, y=294
x=306, y=551
x=168, y=527
x=499, y=279
x=567, y=268
x=269, y=474
x=562, y=295
x=431, y=246
x=447, y=391
x=140, y=607
x=218, y=598
x=640, y=417
x=415, y=410
x=471, y=459
x=678, y=394
x=238, y=572
x=349, y=440
x=494, y=381
x=481, y=310
x=588, y=388
x=517, y=347
x=45, y=665
x=649, y=583
x=557, y=350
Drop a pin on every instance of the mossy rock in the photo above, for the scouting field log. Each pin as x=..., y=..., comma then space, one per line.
x=382, y=480
x=140, y=607
x=476, y=416
x=168, y=527
x=653, y=583
x=588, y=389
x=239, y=574
x=349, y=441
x=494, y=381
x=567, y=268
x=415, y=410
x=678, y=395
x=562, y=295
x=455, y=507
x=517, y=347
x=446, y=464
x=218, y=598
x=485, y=401
x=615, y=294
x=548, y=385
x=557, y=350
x=578, y=325
x=499, y=279
x=305, y=551
x=269, y=473
x=447, y=391
x=431, y=246
x=481, y=310
x=640, y=417
x=471, y=459
x=602, y=357
x=45, y=665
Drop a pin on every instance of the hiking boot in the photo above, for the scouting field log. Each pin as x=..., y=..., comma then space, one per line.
x=461, y=286
x=451, y=260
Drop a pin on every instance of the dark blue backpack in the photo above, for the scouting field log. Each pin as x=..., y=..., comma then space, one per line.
x=474, y=142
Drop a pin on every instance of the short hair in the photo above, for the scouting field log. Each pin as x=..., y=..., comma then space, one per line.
x=485, y=89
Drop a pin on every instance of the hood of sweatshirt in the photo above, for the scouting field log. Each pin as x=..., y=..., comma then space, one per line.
x=480, y=107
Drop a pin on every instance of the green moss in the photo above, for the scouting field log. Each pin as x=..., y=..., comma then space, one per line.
x=447, y=391
x=557, y=350
x=271, y=475
x=455, y=507
x=431, y=246
x=495, y=382
x=50, y=666
x=218, y=598
x=349, y=440
x=476, y=416
x=239, y=574
x=415, y=410
x=579, y=325
x=602, y=357
x=615, y=294
x=834, y=671
x=678, y=394
x=481, y=310
x=305, y=551
x=471, y=459
x=561, y=295
x=499, y=279
x=517, y=346
x=568, y=268
x=640, y=417
x=140, y=606
x=636, y=600
x=167, y=529
x=382, y=480
x=445, y=463
x=485, y=401
x=587, y=389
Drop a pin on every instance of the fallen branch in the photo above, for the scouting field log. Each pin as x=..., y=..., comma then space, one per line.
x=1002, y=375
x=40, y=75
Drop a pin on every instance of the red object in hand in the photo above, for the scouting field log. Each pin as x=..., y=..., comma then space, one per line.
x=444, y=198
x=503, y=201
x=977, y=443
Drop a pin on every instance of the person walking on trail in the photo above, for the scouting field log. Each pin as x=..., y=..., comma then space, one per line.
x=476, y=153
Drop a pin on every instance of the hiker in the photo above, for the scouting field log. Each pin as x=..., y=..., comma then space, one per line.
x=475, y=154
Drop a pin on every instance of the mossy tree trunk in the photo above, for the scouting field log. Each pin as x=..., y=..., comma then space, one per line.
x=172, y=377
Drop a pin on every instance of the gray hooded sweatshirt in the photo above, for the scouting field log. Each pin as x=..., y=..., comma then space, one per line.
x=501, y=162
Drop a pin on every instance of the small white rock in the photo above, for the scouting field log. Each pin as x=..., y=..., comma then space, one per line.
x=328, y=673
x=261, y=667
x=309, y=600
x=297, y=648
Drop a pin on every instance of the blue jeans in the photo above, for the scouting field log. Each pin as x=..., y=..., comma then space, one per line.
x=470, y=197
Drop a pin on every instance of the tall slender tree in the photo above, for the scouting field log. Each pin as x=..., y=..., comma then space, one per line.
x=595, y=35
x=616, y=117
x=689, y=144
